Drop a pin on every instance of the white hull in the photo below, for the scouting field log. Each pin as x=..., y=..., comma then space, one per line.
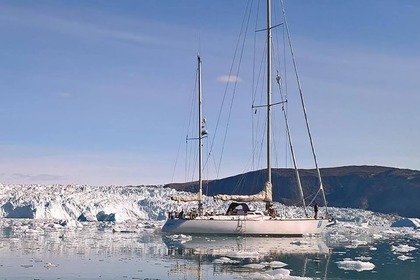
x=245, y=225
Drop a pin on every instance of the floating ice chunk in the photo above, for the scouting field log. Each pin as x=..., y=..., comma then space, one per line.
x=300, y=242
x=377, y=236
x=359, y=243
x=27, y=265
x=277, y=264
x=244, y=254
x=225, y=260
x=274, y=264
x=349, y=264
x=126, y=229
x=402, y=248
x=182, y=238
x=404, y=258
x=255, y=266
x=363, y=258
x=50, y=265
x=356, y=243
x=280, y=273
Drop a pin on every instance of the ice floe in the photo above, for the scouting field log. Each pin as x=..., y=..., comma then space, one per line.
x=349, y=264
x=402, y=248
x=255, y=266
x=224, y=260
x=404, y=258
x=277, y=264
x=280, y=273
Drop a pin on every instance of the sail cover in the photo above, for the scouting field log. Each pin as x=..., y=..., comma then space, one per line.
x=192, y=197
x=264, y=195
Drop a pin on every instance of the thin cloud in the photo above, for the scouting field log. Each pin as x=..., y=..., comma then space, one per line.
x=36, y=177
x=80, y=28
x=64, y=94
x=229, y=79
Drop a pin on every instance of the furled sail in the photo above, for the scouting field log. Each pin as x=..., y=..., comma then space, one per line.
x=192, y=197
x=264, y=195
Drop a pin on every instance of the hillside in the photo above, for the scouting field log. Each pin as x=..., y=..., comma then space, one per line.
x=376, y=188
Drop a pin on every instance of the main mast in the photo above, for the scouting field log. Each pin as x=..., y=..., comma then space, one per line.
x=200, y=140
x=269, y=89
x=266, y=194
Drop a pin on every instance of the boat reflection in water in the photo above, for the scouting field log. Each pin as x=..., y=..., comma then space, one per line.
x=253, y=257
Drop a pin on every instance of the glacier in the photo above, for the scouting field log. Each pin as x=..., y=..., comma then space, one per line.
x=137, y=208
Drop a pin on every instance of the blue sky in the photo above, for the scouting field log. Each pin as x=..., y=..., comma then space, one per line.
x=98, y=92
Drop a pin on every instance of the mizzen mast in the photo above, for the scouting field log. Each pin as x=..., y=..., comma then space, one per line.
x=201, y=134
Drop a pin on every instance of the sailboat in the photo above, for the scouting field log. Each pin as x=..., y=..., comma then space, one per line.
x=239, y=220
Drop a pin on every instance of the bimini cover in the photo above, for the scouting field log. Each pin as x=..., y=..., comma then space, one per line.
x=233, y=206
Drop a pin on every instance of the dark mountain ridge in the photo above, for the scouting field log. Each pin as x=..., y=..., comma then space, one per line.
x=377, y=188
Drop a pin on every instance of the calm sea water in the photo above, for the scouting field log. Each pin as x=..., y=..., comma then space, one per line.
x=97, y=253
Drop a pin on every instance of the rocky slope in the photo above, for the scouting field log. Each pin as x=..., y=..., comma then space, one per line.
x=376, y=188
